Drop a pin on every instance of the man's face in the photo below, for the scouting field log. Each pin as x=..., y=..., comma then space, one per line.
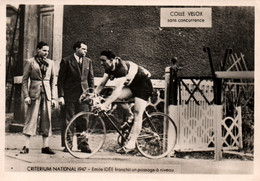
x=106, y=63
x=43, y=52
x=82, y=51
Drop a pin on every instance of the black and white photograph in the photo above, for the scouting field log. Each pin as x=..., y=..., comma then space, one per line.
x=129, y=90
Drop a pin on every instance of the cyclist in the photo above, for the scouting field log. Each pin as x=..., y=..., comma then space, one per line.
x=133, y=81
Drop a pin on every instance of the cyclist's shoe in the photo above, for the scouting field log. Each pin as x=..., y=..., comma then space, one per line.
x=125, y=150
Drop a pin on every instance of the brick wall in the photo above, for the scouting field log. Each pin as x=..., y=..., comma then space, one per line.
x=134, y=33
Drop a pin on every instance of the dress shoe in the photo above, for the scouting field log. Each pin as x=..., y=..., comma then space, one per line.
x=83, y=144
x=24, y=150
x=125, y=150
x=85, y=149
x=47, y=150
x=66, y=150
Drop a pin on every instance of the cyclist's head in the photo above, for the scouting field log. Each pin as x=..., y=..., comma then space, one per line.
x=108, y=53
x=106, y=59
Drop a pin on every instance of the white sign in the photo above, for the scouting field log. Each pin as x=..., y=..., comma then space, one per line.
x=186, y=17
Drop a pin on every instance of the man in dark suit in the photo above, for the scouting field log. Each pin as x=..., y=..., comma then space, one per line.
x=75, y=76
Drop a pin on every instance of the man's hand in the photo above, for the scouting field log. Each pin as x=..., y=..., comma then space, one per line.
x=61, y=101
x=86, y=98
x=27, y=100
x=83, y=97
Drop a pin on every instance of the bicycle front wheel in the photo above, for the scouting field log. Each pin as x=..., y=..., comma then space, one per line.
x=158, y=136
x=85, y=135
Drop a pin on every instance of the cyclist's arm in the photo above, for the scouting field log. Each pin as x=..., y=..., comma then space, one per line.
x=116, y=92
x=102, y=84
x=131, y=73
x=121, y=82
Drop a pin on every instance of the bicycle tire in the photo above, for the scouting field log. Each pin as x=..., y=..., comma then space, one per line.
x=85, y=129
x=157, y=137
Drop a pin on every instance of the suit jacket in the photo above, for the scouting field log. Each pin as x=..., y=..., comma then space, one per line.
x=37, y=82
x=71, y=80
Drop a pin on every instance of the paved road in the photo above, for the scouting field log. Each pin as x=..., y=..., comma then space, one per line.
x=107, y=161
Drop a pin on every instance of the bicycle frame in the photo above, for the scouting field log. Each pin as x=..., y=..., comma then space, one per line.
x=153, y=141
x=115, y=126
x=112, y=123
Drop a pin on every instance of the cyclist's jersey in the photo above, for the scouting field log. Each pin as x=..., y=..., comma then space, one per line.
x=140, y=86
x=121, y=70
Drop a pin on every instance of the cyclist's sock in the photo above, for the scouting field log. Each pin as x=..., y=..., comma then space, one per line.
x=130, y=144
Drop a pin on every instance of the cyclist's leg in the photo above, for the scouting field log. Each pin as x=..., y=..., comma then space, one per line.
x=140, y=106
x=127, y=112
x=126, y=93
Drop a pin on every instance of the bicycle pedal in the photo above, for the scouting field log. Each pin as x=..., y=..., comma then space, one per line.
x=125, y=126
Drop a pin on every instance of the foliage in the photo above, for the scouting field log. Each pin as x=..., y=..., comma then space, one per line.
x=248, y=126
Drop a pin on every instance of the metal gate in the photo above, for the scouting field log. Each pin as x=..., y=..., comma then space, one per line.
x=197, y=119
x=195, y=116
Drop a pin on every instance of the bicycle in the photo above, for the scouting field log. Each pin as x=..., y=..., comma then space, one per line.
x=156, y=140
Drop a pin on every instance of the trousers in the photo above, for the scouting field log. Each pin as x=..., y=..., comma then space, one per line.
x=39, y=108
x=67, y=113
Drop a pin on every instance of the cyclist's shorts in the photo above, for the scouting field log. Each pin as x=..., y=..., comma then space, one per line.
x=142, y=89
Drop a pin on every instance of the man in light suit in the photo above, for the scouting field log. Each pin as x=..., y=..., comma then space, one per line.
x=75, y=75
x=38, y=96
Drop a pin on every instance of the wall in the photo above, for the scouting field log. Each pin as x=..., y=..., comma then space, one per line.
x=134, y=33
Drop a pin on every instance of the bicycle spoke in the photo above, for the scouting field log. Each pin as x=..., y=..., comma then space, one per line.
x=157, y=137
x=85, y=135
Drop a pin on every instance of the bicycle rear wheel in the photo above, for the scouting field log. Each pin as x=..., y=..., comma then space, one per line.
x=85, y=135
x=158, y=136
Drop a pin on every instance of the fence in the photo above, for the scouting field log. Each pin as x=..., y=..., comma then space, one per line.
x=197, y=117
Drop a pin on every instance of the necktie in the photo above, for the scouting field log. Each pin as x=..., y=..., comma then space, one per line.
x=80, y=62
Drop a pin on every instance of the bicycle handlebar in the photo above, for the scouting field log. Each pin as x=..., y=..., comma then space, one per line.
x=90, y=97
